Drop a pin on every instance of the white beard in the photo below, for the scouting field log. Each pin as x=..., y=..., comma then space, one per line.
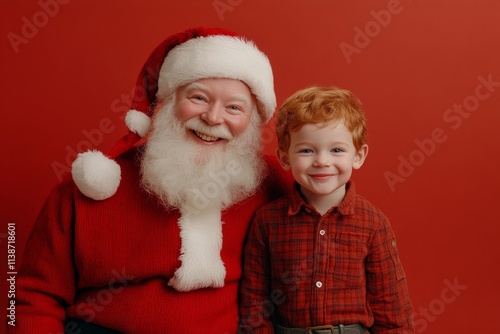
x=201, y=181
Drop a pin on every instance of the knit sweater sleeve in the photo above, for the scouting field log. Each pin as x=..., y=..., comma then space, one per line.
x=46, y=281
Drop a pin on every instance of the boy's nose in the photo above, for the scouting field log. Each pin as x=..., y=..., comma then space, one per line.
x=322, y=160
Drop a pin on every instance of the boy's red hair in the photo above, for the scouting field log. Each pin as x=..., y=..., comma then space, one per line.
x=320, y=105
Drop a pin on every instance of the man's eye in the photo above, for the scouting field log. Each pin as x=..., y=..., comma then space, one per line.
x=234, y=108
x=197, y=97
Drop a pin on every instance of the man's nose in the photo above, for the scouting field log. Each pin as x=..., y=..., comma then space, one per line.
x=213, y=115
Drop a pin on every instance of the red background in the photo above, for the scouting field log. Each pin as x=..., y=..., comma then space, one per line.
x=76, y=69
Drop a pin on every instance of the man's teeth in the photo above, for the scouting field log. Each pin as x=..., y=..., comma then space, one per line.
x=205, y=137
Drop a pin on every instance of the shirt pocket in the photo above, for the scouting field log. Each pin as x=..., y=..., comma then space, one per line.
x=349, y=254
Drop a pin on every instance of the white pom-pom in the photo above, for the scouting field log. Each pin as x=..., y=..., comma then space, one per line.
x=96, y=175
x=138, y=122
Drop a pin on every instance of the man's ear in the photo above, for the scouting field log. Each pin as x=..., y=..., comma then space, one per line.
x=283, y=159
x=360, y=157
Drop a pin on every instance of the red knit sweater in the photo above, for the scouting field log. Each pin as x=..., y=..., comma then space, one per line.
x=109, y=262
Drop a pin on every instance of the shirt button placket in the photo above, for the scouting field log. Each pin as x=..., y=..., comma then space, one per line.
x=322, y=232
x=319, y=284
x=320, y=266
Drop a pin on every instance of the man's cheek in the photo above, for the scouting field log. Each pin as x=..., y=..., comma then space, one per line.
x=238, y=127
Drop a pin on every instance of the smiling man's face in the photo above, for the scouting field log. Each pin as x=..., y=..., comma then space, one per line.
x=214, y=110
x=209, y=125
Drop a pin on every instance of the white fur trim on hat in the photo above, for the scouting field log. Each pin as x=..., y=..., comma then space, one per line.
x=96, y=175
x=219, y=56
x=201, y=236
x=138, y=122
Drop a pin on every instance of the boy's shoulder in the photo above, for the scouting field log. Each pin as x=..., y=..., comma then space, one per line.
x=278, y=205
x=369, y=212
x=364, y=203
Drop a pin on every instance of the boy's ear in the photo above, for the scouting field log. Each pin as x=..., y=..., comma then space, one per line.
x=360, y=157
x=283, y=159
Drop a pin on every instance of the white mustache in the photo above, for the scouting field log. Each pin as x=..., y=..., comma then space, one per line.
x=218, y=131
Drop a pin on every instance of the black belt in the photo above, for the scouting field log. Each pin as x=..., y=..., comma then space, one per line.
x=328, y=329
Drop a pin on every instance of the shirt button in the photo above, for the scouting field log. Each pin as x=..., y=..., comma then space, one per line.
x=319, y=284
x=322, y=232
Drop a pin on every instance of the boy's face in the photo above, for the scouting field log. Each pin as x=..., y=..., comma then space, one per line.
x=321, y=159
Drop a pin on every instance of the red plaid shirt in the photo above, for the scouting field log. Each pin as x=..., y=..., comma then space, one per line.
x=302, y=269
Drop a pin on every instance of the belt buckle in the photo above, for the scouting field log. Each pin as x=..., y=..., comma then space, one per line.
x=309, y=330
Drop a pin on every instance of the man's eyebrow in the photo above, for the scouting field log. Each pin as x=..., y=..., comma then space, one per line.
x=197, y=85
x=241, y=98
x=236, y=97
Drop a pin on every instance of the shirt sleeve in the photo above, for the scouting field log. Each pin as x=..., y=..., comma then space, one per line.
x=46, y=279
x=387, y=291
x=256, y=305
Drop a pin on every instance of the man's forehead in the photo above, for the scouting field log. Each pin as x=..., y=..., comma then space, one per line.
x=207, y=83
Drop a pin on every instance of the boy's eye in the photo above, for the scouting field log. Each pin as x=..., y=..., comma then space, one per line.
x=337, y=150
x=305, y=150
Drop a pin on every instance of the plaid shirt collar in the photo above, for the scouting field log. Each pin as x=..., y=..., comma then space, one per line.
x=346, y=207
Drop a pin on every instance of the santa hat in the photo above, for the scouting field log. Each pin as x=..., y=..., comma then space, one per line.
x=182, y=58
